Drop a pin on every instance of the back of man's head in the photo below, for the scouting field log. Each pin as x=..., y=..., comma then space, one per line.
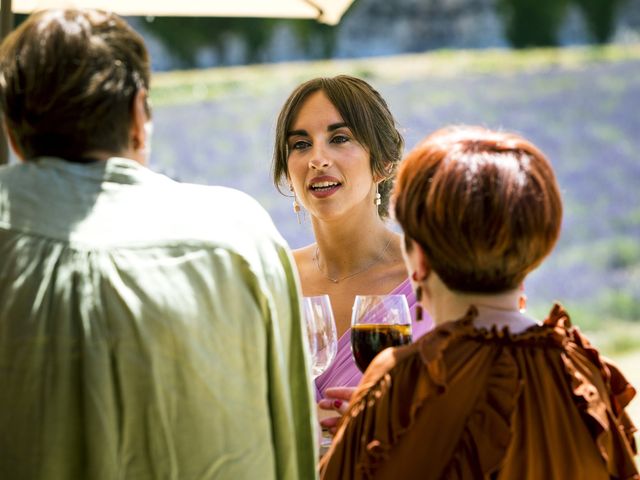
x=68, y=79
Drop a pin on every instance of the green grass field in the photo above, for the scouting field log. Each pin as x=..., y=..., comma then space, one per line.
x=188, y=86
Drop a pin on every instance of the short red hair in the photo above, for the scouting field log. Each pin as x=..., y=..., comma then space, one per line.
x=484, y=205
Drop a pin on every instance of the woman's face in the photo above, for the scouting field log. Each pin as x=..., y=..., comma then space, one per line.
x=328, y=168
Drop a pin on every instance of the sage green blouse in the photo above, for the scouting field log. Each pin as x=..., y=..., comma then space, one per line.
x=148, y=330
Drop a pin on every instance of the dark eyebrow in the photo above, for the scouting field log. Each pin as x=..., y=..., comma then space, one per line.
x=336, y=126
x=302, y=133
x=330, y=128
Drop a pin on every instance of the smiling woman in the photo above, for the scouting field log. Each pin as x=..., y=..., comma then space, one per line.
x=328, y=168
x=336, y=150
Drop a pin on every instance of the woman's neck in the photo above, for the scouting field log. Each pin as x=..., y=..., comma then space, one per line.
x=498, y=309
x=345, y=246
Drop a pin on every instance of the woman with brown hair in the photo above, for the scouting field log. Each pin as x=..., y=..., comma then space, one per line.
x=491, y=392
x=336, y=150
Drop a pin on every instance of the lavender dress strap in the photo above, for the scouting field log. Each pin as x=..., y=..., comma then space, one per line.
x=343, y=372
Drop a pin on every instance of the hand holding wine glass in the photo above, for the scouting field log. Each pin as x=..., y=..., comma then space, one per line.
x=378, y=322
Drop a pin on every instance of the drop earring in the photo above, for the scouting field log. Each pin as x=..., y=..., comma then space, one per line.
x=522, y=300
x=296, y=205
x=418, y=293
x=419, y=312
x=522, y=303
x=378, y=199
x=296, y=209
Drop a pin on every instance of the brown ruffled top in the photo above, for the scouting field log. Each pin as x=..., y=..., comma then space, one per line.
x=469, y=403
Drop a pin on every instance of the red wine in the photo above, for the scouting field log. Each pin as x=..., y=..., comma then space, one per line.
x=367, y=340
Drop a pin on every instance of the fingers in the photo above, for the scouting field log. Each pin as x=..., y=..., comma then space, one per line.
x=330, y=424
x=337, y=400
x=341, y=393
x=333, y=404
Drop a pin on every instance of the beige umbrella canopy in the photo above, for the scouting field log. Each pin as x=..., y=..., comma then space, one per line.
x=325, y=11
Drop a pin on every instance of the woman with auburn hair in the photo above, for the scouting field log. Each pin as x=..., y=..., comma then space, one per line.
x=491, y=392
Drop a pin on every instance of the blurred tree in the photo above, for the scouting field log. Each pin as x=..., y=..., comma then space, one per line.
x=600, y=17
x=318, y=40
x=185, y=36
x=532, y=23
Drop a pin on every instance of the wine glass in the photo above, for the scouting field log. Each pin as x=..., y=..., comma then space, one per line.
x=321, y=331
x=323, y=344
x=378, y=322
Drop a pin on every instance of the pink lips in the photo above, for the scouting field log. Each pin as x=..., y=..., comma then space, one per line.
x=327, y=190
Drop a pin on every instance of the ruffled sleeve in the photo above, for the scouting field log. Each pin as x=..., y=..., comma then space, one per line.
x=601, y=393
x=622, y=393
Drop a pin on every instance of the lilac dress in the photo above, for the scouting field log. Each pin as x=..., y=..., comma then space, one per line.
x=343, y=372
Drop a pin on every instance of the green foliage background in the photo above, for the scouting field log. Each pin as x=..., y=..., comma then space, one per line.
x=184, y=36
x=525, y=23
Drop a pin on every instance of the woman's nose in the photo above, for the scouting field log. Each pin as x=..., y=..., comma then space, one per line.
x=318, y=160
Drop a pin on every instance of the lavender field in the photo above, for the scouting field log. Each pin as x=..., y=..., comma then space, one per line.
x=582, y=107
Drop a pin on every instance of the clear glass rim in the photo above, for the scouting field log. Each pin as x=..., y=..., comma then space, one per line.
x=391, y=297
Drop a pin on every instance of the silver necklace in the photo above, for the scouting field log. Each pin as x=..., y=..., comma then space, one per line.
x=338, y=280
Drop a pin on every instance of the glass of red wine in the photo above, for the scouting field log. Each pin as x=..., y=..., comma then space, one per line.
x=378, y=322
